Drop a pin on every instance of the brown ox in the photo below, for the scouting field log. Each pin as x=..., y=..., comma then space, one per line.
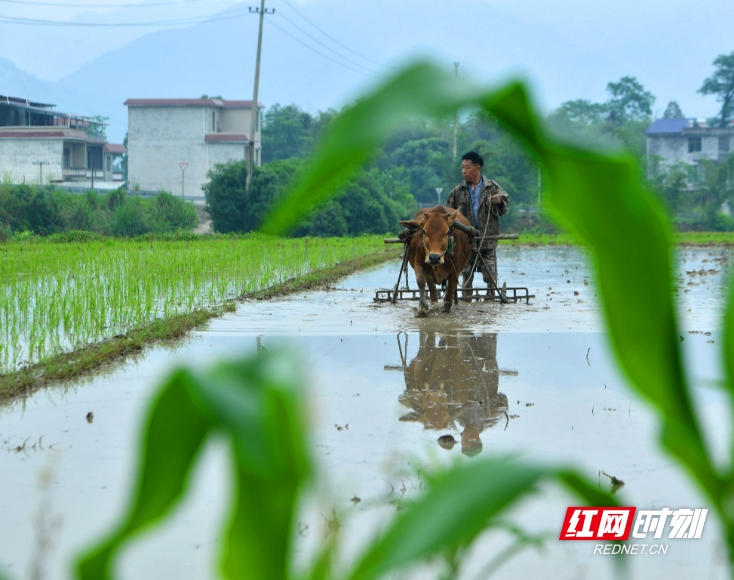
x=453, y=383
x=432, y=258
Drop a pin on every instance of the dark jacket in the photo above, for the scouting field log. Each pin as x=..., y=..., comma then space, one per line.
x=460, y=199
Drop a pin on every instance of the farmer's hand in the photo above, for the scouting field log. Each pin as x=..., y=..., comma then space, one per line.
x=496, y=199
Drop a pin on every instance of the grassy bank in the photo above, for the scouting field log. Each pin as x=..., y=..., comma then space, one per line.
x=58, y=298
x=681, y=238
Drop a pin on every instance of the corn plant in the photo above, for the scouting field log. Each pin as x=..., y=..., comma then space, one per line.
x=257, y=404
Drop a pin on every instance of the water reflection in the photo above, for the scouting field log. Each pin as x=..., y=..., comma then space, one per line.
x=453, y=384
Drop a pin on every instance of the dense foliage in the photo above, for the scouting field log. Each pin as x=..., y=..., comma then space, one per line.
x=45, y=210
x=721, y=85
x=371, y=202
x=417, y=162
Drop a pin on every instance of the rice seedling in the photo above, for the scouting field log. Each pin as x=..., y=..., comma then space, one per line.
x=57, y=297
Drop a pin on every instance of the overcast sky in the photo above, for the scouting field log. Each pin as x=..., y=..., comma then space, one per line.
x=668, y=45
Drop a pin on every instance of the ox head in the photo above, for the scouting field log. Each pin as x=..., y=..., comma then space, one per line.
x=434, y=229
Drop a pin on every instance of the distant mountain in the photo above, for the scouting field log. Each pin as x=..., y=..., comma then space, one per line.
x=53, y=52
x=564, y=58
x=68, y=99
x=219, y=57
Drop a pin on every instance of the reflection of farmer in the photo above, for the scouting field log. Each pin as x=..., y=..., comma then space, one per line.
x=455, y=381
x=481, y=201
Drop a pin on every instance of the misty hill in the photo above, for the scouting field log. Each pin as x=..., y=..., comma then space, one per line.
x=218, y=57
x=566, y=60
x=68, y=99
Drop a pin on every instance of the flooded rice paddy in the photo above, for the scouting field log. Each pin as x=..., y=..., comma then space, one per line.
x=390, y=392
x=57, y=297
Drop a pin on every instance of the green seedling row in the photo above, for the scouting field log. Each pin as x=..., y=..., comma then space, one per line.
x=56, y=297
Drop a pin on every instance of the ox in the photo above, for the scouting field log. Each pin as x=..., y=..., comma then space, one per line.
x=438, y=251
x=454, y=381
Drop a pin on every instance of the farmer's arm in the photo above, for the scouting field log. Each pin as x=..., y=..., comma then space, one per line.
x=451, y=201
x=501, y=200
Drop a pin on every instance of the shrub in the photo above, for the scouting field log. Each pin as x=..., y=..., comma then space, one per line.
x=130, y=219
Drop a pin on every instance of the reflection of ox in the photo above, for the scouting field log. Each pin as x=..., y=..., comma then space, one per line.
x=455, y=379
x=438, y=252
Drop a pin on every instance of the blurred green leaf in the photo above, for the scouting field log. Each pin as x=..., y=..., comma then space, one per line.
x=599, y=197
x=458, y=506
x=256, y=404
x=175, y=431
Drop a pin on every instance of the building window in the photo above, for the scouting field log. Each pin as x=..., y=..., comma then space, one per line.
x=109, y=163
x=724, y=143
x=693, y=174
x=212, y=125
x=694, y=144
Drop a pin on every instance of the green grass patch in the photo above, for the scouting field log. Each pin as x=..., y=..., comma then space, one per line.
x=83, y=361
x=58, y=298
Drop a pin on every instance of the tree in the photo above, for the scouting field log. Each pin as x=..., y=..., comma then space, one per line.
x=721, y=84
x=628, y=101
x=291, y=132
x=286, y=133
x=672, y=111
x=424, y=160
x=98, y=128
x=208, y=97
x=124, y=159
x=669, y=182
x=620, y=121
x=365, y=204
x=584, y=112
x=715, y=189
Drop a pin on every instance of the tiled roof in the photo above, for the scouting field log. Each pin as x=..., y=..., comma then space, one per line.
x=21, y=101
x=668, y=126
x=50, y=134
x=114, y=148
x=225, y=138
x=190, y=103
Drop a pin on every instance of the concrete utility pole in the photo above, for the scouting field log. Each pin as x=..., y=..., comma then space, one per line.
x=40, y=170
x=540, y=184
x=183, y=165
x=253, y=121
x=456, y=114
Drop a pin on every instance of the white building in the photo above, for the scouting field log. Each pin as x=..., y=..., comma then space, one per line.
x=164, y=133
x=38, y=144
x=688, y=141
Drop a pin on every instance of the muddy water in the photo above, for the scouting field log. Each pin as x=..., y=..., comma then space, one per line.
x=534, y=380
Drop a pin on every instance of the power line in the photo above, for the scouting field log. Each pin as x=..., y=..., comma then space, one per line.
x=61, y=23
x=349, y=60
x=334, y=39
x=322, y=54
x=51, y=4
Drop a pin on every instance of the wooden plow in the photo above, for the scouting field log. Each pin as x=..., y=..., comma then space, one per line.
x=493, y=292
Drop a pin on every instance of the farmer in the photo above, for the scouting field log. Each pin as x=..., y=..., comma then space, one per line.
x=482, y=201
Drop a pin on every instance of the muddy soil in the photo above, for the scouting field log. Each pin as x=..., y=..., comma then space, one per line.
x=536, y=381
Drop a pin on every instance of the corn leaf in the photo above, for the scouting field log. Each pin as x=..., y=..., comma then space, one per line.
x=599, y=197
x=256, y=404
x=458, y=506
